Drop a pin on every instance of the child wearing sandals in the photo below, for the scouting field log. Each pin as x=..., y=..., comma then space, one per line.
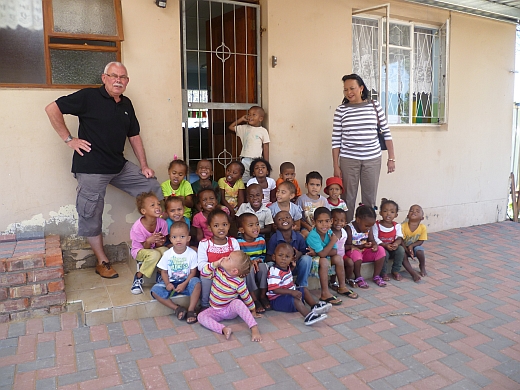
x=253, y=245
x=148, y=235
x=214, y=248
x=414, y=235
x=362, y=248
x=226, y=275
x=388, y=235
x=339, y=221
x=322, y=241
x=178, y=266
x=283, y=294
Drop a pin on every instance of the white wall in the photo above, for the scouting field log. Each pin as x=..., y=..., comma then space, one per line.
x=458, y=173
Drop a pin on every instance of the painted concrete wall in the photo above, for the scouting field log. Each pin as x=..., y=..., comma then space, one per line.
x=458, y=172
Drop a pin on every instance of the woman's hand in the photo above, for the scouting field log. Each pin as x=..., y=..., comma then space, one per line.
x=337, y=172
x=391, y=166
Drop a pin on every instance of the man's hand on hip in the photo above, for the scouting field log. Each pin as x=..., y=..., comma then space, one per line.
x=148, y=172
x=78, y=145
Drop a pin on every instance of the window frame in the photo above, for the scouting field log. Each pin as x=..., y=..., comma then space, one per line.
x=441, y=66
x=49, y=33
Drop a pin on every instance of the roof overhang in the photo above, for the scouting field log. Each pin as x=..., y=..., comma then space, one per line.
x=504, y=10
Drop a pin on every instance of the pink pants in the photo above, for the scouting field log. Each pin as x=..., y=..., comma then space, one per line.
x=367, y=255
x=210, y=317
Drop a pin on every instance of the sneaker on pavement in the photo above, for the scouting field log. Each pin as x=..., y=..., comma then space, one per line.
x=314, y=317
x=321, y=307
x=105, y=270
x=137, y=286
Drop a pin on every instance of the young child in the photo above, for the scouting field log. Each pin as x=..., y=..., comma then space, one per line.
x=334, y=189
x=323, y=242
x=285, y=193
x=227, y=284
x=178, y=267
x=178, y=185
x=388, y=234
x=288, y=173
x=207, y=203
x=283, y=294
x=414, y=235
x=260, y=170
x=205, y=172
x=232, y=187
x=362, y=248
x=174, y=206
x=214, y=248
x=254, y=246
x=254, y=137
x=286, y=234
x=255, y=206
x=339, y=221
x=311, y=201
x=148, y=235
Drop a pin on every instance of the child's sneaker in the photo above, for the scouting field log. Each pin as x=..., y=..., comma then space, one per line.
x=313, y=317
x=137, y=286
x=321, y=307
x=158, y=277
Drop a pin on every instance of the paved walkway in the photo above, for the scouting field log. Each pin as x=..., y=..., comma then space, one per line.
x=458, y=329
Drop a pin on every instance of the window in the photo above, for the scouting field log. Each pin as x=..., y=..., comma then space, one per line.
x=417, y=77
x=58, y=42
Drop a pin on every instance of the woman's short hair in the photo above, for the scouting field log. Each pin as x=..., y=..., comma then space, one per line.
x=360, y=82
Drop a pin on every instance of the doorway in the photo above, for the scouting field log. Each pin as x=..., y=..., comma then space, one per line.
x=220, y=77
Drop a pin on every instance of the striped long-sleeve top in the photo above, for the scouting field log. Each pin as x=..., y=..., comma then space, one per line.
x=354, y=130
x=225, y=288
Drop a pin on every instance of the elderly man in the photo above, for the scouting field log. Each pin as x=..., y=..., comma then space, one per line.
x=106, y=119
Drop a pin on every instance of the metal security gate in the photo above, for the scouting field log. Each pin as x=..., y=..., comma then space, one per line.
x=221, y=76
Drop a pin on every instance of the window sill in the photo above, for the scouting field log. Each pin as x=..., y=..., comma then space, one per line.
x=426, y=127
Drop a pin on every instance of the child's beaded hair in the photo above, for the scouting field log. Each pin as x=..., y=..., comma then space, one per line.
x=364, y=211
x=172, y=199
x=178, y=162
x=286, y=165
x=256, y=161
x=290, y=186
x=180, y=225
x=385, y=201
x=139, y=200
x=321, y=210
x=243, y=263
x=240, y=165
x=313, y=175
x=243, y=217
x=334, y=212
x=216, y=213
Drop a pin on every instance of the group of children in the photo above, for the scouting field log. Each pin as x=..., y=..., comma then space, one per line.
x=282, y=237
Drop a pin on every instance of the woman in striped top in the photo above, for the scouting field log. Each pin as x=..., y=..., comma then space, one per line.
x=356, y=153
x=228, y=285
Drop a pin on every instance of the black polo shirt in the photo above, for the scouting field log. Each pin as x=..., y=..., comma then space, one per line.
x=105, y=124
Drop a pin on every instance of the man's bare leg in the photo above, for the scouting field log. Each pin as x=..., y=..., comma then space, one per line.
x=103, y=267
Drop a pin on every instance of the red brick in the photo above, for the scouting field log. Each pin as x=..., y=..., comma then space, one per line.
x=51, y=261
x=101, y=353
x=56, y=286
x=153, y=378
x=7, y=237
x=203, y=372
x=132, y=327
x=56, y=371
x=48, y=300
x=69, y=320
x=53, y=252
x=14, y=305
x=21, y=315
x=11, y=279
x=27, y=291
x=99, y=332
x=24, y=380
x=52, y=239
x=155, y=361
x=107, y=366
x=3, y=293
x=2, y=265
x=4, y=318
x=101, y=383
x=55, y=309
x=24, y=262
x=44, y=275
x=256, y=382
x=302, y=376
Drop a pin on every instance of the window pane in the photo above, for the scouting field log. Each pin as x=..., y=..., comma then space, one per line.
x=398, y=86
x=84, y=17
x=365, y=53
x=21, y=39
x=79, y=67
x=399, y=35
x=424, y=89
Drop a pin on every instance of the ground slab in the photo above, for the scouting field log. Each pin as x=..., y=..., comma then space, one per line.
x=459, y=328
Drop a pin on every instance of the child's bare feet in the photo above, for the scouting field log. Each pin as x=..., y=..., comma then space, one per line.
x=397, y=276
x=227, y=332
x=423, y=271
x=416, y=277
x=255, y=334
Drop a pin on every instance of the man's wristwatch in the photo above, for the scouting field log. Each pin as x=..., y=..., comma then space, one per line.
x=68, y=139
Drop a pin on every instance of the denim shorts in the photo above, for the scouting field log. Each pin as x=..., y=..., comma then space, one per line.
x=285, y=302
x=417, y=249
x=160, y=290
